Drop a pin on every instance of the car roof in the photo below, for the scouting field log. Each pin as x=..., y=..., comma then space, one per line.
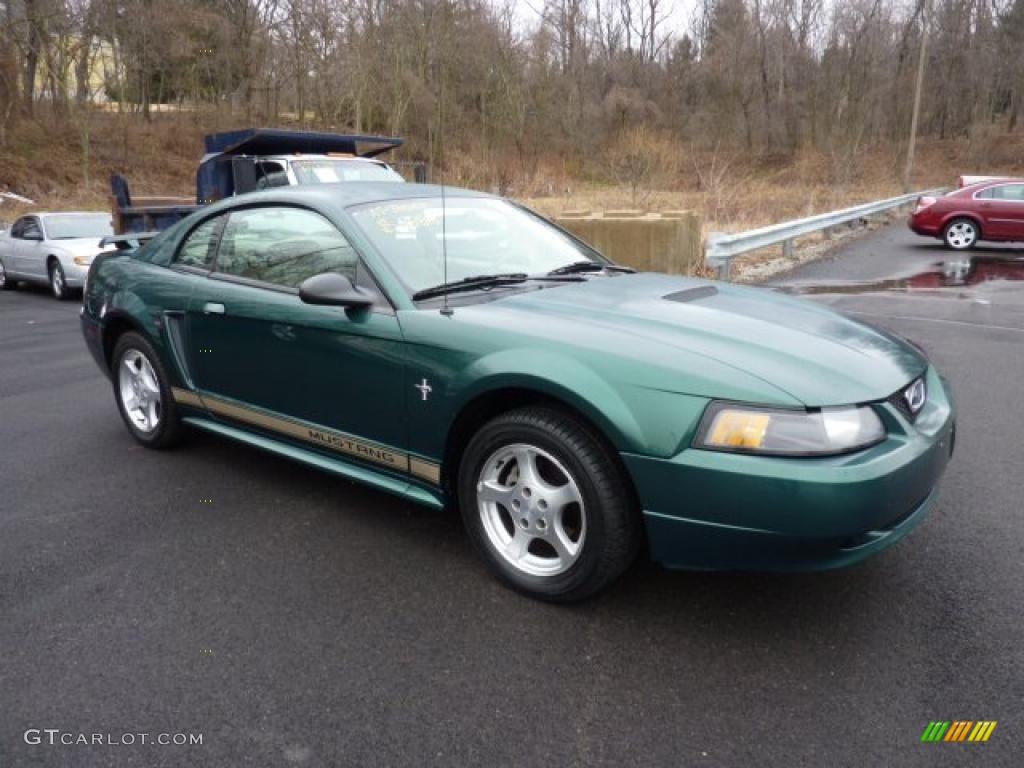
x=993, y=182
x=327, y=156
x=68, y=213
x=344, y=194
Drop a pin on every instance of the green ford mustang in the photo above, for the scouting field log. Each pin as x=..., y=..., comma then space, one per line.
x=463, y=351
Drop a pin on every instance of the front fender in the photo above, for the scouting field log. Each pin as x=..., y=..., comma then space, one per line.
x=634, y=417
x=554, y=375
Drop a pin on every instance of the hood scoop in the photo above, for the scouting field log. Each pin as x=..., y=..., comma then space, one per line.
x=692, y=294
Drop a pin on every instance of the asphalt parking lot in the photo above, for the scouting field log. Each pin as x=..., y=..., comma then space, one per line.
x=293, y=618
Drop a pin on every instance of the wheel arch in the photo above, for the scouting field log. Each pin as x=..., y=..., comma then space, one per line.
x=115, y=325
x=973, y=217
x=493, y=402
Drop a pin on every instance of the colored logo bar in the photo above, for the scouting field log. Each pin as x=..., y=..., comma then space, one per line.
x=958, y=730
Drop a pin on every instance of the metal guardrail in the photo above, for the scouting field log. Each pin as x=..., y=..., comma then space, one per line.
x=722, y=247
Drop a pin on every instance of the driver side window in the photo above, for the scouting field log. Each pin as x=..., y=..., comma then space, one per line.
x=27, y=229
x=283, y=246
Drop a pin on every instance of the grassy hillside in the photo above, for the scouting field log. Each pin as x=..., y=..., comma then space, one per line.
x=66, y=165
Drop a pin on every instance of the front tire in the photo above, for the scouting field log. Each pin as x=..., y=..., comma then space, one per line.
x=961, y=234
x=142, y=391
x=58, y=282
x=547, y=505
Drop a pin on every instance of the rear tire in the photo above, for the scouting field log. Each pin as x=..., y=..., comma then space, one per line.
x=961, y=234
x=6, y=283
x=142, y=391
x=547, y=505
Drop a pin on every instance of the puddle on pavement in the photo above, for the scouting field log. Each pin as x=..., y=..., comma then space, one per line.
x=943, y=275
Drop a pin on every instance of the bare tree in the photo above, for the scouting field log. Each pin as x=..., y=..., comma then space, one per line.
x=563, y=78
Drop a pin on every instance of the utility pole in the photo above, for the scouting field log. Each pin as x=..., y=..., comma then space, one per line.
x=921, y=59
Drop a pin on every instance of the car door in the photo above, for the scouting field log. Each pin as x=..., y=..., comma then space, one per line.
x=26, y=246
x=34, y=248
x=319, y=375
x=11, y=244
x=1002, y=210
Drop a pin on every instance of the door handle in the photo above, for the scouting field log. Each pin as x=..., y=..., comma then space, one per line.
x=213, y=308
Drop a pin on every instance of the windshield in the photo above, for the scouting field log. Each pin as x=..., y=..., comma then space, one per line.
x=484, y=237
x=327, y=170
x=65, y=226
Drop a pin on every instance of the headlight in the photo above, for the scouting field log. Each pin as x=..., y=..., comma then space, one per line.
x=823, y=432
x=83, y=261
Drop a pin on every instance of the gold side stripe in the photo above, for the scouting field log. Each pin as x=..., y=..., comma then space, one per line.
x=185, y=397
x=428, y=470
x=319, y=436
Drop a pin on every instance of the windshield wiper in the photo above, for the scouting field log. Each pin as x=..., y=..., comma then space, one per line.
x=588, y=266
x=472, y=283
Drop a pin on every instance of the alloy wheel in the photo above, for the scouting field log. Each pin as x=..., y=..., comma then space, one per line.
x=139, y=391
x=531, y=509
x=57, y=281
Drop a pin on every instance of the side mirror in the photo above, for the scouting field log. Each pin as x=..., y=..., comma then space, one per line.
x=334, y=290
x=34, y=235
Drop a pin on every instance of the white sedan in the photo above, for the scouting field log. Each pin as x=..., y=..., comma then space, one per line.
x=52, y=248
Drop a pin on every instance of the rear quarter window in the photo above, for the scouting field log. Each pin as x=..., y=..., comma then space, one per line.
x=158, y=251
x=199, y=247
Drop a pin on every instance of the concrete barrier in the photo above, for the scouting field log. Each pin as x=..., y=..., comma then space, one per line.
x=652, y=242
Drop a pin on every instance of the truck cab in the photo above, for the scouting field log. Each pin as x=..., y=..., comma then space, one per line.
x=242, y=161
x=236, y=162
x=285, y=170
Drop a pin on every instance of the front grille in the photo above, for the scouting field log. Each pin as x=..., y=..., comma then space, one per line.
x=899, y=402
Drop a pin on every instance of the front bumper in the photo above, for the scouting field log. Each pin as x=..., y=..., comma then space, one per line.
x=74, y=275
x=712, y=510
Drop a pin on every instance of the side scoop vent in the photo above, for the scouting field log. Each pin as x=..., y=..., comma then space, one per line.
x=692, y=294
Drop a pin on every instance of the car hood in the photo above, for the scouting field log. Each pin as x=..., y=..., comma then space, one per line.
x=815, y=355
x=80, y=246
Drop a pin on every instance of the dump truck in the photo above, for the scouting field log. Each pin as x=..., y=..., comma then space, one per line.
x=236, y=162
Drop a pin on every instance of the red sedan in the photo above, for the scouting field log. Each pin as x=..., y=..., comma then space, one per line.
x=990, y=210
